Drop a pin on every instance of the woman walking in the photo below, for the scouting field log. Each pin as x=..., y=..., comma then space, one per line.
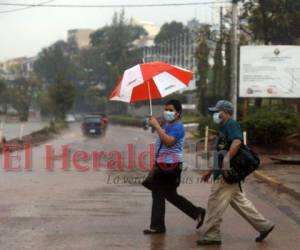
x=167, y=170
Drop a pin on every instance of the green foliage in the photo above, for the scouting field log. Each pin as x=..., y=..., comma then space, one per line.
x=113, y=47
x=273, y=21
x=56, y=126
x=21, y=93
x=126, y=120
x=190, y=118
x=202, y=56
x=206, y=121
x=169, y=31
x=61, y=96
x=95, y=100
x=45, y=104
x=4, y=98
x=55, y=63
x=218, y=87
x=268, y=125
x=227, y=68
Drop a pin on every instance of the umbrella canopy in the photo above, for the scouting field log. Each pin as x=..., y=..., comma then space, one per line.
x=148, y=81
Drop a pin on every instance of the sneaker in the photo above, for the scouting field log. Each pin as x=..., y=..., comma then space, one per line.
x=263, y=235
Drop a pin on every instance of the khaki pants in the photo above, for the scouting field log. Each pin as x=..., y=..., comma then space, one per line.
x=223, y=194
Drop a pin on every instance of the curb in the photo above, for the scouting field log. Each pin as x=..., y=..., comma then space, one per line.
x=276, y=184
x=28, y=139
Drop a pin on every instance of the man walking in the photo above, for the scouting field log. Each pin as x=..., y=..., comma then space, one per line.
x=222, y=194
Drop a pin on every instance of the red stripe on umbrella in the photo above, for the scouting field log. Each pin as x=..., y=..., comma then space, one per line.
x=149, y=81
x=140, y=93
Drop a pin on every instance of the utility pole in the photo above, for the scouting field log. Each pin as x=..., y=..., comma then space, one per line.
x=234, y=56
x=221, y=23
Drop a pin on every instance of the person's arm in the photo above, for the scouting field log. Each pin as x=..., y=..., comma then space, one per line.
x=235, y=135
x=234, y=148
x=205, y=177
x=166, y=139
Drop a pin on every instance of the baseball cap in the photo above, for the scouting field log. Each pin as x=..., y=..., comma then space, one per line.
x=222, y=105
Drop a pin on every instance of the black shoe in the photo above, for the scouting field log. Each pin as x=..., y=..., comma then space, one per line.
x=152, y=231
x=209, y=242
x=263, y=235
x=201, y=217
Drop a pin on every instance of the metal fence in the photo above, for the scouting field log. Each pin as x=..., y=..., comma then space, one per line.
x=178, y=51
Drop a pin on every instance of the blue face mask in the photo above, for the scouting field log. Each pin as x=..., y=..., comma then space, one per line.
x=216, y=118
x=169, y=116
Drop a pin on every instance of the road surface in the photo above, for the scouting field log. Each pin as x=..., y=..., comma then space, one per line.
x=58, y=209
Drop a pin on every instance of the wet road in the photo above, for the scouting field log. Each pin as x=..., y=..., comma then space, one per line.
x=91, y=209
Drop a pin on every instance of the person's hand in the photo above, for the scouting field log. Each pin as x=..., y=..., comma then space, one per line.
x=153, y=122
x=225, y=173
x=205, y=177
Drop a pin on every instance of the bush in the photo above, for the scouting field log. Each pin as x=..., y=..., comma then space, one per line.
x=269, y=125
x=190, y=118
x=126, y=121
x=57, y=125
x=206, y=121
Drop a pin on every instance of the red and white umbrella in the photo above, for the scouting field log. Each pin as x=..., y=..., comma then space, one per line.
x=149, y=81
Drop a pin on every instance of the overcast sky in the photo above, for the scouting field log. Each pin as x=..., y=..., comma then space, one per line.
x=24, y=33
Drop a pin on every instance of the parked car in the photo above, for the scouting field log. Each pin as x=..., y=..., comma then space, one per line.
x=92, y=125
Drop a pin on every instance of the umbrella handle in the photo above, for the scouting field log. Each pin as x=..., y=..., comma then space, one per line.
x=150, y=99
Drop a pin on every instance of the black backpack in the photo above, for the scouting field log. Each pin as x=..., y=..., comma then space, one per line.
x=242, y=164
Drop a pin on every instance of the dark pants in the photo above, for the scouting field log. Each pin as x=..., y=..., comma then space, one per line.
x=159, y=194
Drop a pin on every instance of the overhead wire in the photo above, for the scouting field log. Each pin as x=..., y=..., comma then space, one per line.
x=114, y=5
x=25, y=8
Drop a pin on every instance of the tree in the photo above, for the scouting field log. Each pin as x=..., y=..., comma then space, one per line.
x=218, y=89
x=61, y=95
x=169, y=31
x=45, y=103
x=227, y=68
x=3, y=95
x=202, y=57
x=55, y=63
x=21, y=93
x=273, y=21
x=115, y=50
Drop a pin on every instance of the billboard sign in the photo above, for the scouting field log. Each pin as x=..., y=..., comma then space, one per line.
x=270, y=71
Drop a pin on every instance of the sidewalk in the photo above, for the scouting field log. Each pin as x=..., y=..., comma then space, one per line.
x=283, y=177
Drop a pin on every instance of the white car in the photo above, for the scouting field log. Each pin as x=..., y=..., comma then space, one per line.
x=70, y=118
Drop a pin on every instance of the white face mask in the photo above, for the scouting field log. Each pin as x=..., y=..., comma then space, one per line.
x=216, y=118
x=169, y=116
